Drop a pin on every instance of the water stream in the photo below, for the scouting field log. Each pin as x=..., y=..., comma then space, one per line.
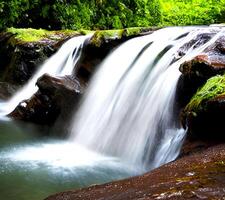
x=63, y=62
x=128, y=111
x=127, y=123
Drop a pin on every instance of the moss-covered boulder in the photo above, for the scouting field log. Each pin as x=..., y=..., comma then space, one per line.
x=23, y=50
x=204, y=114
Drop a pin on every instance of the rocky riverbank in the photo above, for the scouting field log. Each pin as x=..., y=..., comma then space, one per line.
x=198, y=176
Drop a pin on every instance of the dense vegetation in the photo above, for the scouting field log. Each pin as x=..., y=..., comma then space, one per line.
x=192, y=12
x=108, y=14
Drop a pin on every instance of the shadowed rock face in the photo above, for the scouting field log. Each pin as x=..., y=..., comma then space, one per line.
x=210, y=63
x=21, y=58
x=56, y=95
x=204, y=113
x=199, y=176
x=44, y=106
x=7, y=90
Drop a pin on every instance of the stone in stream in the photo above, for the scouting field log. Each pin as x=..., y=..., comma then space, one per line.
x=56, y=95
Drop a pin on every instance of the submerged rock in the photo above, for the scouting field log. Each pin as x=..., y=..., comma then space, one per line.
x=199, y=176
x=56, y=96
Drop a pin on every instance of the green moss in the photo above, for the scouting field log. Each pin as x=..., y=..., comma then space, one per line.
x=85, y=32
x=133, y=31
x=214, y=87
x=29, y=34
x=101, y=36
x=34, y=35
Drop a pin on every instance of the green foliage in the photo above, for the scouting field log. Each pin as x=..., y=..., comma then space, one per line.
x=192, y=12
x=79, y=14
x=34, y=35
x=108, y=14
x=214, y=87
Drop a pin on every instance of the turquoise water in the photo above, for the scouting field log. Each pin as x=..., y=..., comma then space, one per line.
x=33, y=167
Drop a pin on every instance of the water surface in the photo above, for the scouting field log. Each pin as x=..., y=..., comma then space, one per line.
x=33, y=166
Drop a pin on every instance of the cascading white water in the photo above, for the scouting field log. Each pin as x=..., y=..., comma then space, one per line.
x=128, y=111
x=60, y=64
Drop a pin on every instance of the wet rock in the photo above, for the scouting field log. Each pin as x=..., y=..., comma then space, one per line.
x=56, y=96
x=27, y=50
x=23, y=50
x=209, y=63
x=196, y=71
x=205, y=112
x=199, y=176
x=7, y=90
x=101, y=44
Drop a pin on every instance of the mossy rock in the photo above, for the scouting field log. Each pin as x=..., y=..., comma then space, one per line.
x=30, y=35
x=204, y=114
x=104, y=36
x=213, y=88
x=24, y=50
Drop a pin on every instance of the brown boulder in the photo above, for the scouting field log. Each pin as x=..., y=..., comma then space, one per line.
x=209, y=63
x=56, y=96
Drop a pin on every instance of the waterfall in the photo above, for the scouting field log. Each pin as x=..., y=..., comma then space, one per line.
x=60, y=64
x=129, y=109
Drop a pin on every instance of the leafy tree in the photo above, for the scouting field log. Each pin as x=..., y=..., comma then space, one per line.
x=77, y=14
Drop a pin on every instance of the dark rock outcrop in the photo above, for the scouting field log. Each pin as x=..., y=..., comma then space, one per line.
x=203, y=115
x=7, y=90
x=101, y=44
x=56, y=96
x=209, y=63
x=199, y=176
x=205, y=112
x=196, y=71
x=44, y=106
x=23, y=50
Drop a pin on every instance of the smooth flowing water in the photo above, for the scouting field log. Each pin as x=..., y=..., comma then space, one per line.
x=128, y=111
x=33, y=167
x=127, y=123
x=63, y=62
